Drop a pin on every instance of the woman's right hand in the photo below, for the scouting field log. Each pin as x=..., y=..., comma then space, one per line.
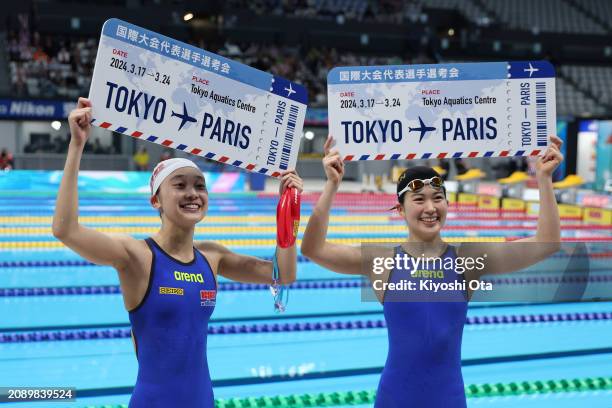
x=79, y=121
x=332, y=163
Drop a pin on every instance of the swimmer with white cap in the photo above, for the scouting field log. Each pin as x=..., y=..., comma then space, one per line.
x=168, y=281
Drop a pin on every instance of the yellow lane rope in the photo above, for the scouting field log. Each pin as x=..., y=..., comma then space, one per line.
x=238, y=219
x=254, y=242
x=242, y=229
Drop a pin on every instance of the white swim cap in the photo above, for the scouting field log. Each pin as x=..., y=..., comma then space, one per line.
x=165, y=168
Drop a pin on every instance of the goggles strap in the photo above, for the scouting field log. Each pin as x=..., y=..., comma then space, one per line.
x=280, y=293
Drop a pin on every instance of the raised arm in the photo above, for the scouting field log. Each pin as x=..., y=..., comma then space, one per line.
x=249, y=269
x=336, y=257
x=549, y=224
x=95, y=246
x=522, y=253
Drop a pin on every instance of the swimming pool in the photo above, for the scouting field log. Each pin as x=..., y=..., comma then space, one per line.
x=63, y=321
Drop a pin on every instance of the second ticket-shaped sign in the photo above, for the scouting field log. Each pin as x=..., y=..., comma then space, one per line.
x=442, y=111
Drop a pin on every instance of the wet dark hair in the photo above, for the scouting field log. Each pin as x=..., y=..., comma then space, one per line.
x=412, y=173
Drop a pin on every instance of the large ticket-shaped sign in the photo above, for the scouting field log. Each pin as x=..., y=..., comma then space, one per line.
x=442, y=111
x=155, y=88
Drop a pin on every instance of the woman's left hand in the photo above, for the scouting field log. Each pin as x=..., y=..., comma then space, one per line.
x=546, y=165
x=290, y=178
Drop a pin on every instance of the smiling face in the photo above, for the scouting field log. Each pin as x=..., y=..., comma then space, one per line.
x=425, y=212
x=182, y=197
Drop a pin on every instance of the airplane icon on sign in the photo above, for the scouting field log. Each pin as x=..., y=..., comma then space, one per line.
x=184, y=117
x=423, y=129
x=531, y=70
x=289, y=90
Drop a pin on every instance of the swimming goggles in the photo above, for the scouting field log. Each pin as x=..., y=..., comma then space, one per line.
x=417, y=184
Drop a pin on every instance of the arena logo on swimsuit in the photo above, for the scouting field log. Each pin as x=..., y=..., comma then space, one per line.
x=188, y=277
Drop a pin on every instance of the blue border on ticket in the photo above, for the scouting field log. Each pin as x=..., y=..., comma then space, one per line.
x=440, y=72
x=201, y=59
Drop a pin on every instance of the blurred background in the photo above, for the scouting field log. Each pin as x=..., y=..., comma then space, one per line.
x=49, y=48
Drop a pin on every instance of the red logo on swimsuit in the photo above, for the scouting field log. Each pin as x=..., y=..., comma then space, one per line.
x=208, y=297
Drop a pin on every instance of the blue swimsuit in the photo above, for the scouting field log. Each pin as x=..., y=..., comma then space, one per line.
x=423, y=367
x=170, y=327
